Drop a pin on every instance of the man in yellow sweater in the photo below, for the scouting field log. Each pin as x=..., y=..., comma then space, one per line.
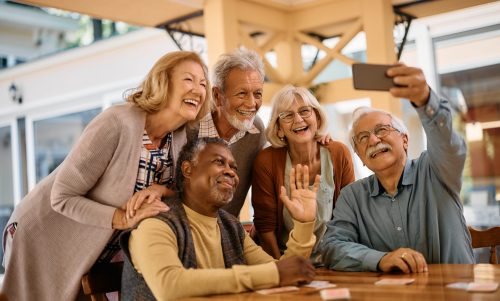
x=197, y=249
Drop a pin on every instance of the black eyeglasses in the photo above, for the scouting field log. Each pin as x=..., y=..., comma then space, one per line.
x=289, y=116
x=380, y=131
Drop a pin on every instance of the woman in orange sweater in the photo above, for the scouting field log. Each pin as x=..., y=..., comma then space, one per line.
x=297, y=120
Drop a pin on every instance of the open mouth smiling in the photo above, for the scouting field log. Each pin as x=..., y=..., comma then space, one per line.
x=191, y=102
x=246, y=113
x=300, y=129
x=376, y=152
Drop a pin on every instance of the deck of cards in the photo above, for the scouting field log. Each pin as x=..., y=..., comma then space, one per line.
x=395, y=281
x=335, y=294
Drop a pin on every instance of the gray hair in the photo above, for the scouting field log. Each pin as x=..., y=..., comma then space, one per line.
x=190, y=152
x=396, y=123
x=242, y=59
x=282, y=101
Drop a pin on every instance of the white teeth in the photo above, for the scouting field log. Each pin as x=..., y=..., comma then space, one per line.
x=300, y=129
x=191, y=101
x=246, y=113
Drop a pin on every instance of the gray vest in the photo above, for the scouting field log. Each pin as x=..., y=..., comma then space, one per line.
x=134, y=287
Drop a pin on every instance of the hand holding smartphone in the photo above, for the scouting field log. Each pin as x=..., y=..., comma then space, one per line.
x=371, y=77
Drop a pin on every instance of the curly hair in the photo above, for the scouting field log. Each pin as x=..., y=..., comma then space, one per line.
x=190, y=152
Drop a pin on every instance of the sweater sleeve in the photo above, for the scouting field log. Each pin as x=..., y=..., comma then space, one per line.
x=82, y=169
x=153, y=249
x=300, y=243
x=344, y=168
x=263, y=192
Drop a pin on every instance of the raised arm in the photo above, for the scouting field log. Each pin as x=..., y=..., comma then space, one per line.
x=446, y=148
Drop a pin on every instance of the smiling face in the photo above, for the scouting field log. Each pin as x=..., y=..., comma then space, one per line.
x=212, y=179
x=187, y=91
x=241, y=99
x=380, y=154
x=298, y=123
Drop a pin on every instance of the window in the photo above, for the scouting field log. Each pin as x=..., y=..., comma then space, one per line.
x=7, y=179
x=54, y=137
x=476, y=94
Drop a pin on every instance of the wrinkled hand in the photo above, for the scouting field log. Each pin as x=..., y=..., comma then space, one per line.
x=302, y=201
x=405, y=259
x=414, y=87
x=148, y=195
x=324, y=140
x=295, y=269
x=122, y=222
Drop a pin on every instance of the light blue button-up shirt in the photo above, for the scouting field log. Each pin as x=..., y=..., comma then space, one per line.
x=425, y=214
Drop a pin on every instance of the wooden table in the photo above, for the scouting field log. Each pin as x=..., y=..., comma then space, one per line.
x=427, y=286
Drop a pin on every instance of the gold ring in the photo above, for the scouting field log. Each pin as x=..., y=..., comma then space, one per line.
x=403, y=255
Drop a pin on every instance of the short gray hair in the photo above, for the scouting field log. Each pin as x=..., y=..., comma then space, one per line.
x=242, y=59
x=190, y=152
x=396, y=123
x=282, y=101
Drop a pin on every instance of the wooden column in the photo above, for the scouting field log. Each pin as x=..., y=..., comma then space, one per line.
x=221, y=28
x=378, y=24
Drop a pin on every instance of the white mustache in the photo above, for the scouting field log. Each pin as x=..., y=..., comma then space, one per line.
x=376, y=148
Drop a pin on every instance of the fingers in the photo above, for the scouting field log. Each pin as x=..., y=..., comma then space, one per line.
x=317, y=180
x=305, y=176
x=293, y=185
x=420, y=262
x=415, y=261
x=148, y=210
x=293, y=270
x=410, y=261
x=130, y=206
x=413, y=84
x=284, y=198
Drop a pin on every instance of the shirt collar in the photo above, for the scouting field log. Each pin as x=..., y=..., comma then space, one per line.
x=406, y=179
x=208, y=129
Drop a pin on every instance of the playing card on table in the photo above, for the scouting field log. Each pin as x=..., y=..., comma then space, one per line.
x=482, y=287
x=277, y=290
x=335, y=294
x=318, y=284
x=395, y=281
x=458, y=285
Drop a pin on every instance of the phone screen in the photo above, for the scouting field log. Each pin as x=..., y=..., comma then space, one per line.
x=371, y=77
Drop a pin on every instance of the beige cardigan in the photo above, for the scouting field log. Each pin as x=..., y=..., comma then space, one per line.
x=65, y=221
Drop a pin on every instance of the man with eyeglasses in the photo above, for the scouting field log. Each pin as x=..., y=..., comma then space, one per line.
x=409, y=212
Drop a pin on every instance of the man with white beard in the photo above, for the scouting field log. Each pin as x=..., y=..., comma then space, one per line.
x=238, y=81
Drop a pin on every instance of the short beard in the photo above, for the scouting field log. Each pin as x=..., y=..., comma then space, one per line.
x=238, y=124
x=222, y=198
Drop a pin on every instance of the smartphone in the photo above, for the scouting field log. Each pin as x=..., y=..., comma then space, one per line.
x=371, y=77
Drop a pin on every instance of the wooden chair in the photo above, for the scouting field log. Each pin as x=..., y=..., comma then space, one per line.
x=486, y=238
x=101, y=279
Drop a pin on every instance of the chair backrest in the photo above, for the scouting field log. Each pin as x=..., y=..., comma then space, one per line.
x=101, y=279
x=486, y=238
